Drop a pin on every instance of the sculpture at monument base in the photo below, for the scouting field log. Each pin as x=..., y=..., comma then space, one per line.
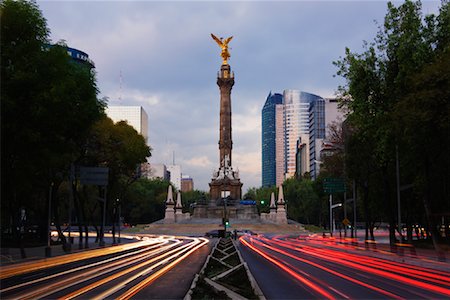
x=169, y=216
x=281, y=217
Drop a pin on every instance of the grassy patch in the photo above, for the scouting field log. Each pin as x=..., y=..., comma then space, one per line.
x=136, y=228
x=218, y=254
x=204, y=291
x=213, y=268
x=238, y=282
x=232, y=260
x=314, y=228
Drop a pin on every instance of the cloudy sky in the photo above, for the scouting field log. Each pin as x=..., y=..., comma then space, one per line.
x=160, y=55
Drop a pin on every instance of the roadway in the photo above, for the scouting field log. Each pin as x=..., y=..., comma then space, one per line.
x=118, y=272
x=322, y=268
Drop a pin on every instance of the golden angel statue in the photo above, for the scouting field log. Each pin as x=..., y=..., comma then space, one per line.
x=223, y=43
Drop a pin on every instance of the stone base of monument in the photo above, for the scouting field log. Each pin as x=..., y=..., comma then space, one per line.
x=241, y=212
x=169, y=216
x=233, y=187
x=281, y=217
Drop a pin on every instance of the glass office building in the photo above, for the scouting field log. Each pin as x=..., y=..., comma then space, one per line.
x=296, y=123
x=316, y=134
x=269, y=138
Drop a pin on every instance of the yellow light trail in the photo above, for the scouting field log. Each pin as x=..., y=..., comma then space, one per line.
x=194, y=246
x=85, y=267
x=119, y=274
x=68, y=282
x=135, y=289
x=26, y=267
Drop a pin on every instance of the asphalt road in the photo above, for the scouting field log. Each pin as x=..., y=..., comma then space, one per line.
x=119, y=272
x=302, y=268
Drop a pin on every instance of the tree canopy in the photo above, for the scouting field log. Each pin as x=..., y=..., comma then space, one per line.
x=398, y=101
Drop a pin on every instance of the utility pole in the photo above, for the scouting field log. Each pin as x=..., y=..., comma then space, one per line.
x=354, y=208
x=48, y=249
x=398, y=193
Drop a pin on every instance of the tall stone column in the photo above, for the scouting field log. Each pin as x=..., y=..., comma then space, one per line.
x=225, y=183
x=225, y=81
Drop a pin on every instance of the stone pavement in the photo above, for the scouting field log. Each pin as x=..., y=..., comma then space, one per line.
x=198, y=227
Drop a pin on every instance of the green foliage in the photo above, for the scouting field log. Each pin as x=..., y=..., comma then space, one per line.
x=259, y=195
x=303, y=203
x=144, y=201
x=192, y=197
x=397, y=96
x=117, y=146
x=48, y=106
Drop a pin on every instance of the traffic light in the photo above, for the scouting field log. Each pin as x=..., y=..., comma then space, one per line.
x=262, y=202
x=227, y=224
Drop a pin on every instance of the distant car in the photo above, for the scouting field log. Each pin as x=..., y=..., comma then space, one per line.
x=247, y=202
x=245, y=232
x=212, y=233
x=216, y=233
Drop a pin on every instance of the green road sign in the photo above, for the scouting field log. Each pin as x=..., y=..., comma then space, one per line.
x=333, y=185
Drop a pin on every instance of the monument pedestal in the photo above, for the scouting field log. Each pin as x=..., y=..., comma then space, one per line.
x=225, y=188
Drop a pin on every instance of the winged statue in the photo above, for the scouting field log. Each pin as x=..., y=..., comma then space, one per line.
x=223, y=43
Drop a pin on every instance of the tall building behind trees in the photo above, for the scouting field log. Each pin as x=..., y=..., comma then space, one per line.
x=272, y=139
x=294, y=130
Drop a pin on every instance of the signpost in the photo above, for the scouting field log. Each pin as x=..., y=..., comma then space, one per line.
x=331, y=186
x=96, y=176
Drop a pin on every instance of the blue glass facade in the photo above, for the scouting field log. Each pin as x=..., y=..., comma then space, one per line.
x=316, y=132
x=268, y=129
x=296, y=123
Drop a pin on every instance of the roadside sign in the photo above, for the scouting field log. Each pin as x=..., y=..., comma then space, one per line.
x=94, y=175
x=346, y=222
x=333, y=185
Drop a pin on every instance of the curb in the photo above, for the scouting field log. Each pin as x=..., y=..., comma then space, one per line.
x=253, y=282
x=194, y=282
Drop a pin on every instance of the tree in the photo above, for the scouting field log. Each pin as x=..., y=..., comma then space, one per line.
x=259, y=195
x=122, y=149
x=144, y=201
x=190, y=198
x=48, y=106
x=382, y=103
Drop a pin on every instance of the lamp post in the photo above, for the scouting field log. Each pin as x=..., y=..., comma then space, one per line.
x=120, y=218
x=48, y=249
x=331, y=213
x=398, y=193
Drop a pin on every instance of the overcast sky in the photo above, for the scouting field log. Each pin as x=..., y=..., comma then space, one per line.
x=169, y=64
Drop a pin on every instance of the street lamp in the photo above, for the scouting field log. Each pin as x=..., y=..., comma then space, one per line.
x=120, y=218
x=331, y=213
x=48, y=249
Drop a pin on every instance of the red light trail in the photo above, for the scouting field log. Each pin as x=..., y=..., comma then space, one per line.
x=325, y=258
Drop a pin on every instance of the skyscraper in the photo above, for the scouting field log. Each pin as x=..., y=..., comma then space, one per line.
x=271, y=121
x=187, y=183
x=316, y=134
x=134, y=115
x=296, y=123
x=175, y=175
